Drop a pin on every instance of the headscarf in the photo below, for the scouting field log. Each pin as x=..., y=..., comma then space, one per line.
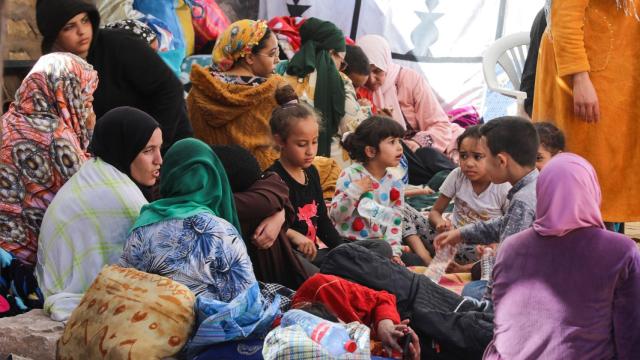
x=52, y=15
x=192, y=181
x=236, y=42
x=242, y=168
x=318, y=38
x=568, y=196
x=120, y=135
x=135, y=27
x=44, y=138
x=379, y=53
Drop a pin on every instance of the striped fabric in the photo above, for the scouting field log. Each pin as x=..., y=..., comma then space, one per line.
x=84, y=229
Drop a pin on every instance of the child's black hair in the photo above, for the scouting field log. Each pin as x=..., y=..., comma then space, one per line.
x=317, y=309
x=550, y=137
x=370, y=132
x=513, y=135
x=289, y=111
x=472, y=132
x=262, y=43
x=357, y=61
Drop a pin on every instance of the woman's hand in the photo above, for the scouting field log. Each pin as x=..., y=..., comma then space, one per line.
x=585, y=98
x=267, y=232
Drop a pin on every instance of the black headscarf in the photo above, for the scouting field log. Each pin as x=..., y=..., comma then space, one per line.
x=120, y=135
x=52, y=15
x=242, y=168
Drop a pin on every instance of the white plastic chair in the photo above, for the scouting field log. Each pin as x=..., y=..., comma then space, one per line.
x=510, y=52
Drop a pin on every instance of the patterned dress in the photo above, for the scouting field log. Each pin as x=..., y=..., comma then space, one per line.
x=44, y=136
x=204, y=252
x=373, y=215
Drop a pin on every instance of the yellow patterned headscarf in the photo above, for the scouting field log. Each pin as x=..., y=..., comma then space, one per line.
x=236, y=42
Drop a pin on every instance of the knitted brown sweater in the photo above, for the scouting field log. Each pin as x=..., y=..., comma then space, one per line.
x=223, y=114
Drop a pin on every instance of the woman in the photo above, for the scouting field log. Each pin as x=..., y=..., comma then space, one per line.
x=131, y=73
x=45, y=135
x=586, y=84
x=566, y=288
x=408, y=97
x=88, y=221
x=230, y=103
x=191, y=235
x=314, y=73
x=265, y=212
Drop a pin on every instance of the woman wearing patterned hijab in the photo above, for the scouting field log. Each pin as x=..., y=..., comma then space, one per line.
x=45, y=135
x=231, y=102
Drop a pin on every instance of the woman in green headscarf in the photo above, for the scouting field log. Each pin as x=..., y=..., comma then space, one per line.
x=191, y=234
x=314, y=72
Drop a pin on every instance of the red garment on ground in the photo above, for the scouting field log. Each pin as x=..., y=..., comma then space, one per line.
x=349, y=301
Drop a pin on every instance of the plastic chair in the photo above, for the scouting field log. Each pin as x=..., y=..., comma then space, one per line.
x=510, y=52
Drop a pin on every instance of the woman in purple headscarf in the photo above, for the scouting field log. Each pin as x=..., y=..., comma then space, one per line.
x=567, y=288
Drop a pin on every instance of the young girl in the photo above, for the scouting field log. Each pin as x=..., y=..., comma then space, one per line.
x=369, y=200
x=295, y=129
x=475, y=197
x=551, y=143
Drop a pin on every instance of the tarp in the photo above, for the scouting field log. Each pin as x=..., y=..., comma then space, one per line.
x=445, y=39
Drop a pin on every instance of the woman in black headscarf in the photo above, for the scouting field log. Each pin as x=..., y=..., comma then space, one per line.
x=87, y=223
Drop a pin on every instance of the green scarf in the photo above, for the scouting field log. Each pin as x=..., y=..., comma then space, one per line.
x=318, y=38
x=192, y=181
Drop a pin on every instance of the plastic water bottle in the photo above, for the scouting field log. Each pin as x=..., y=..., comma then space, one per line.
x=439, y=263
x=486, y=263
x=333, y=337
x=369, y=209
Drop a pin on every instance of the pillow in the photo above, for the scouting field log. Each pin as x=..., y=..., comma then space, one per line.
x=129, y=314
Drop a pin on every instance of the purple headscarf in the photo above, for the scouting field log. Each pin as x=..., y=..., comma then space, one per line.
x=568, y=196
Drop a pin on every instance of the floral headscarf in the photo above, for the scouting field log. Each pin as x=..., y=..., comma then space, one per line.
x=44, y=141
x=236, y=42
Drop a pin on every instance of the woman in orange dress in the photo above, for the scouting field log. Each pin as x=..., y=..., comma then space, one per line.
x=587, y=83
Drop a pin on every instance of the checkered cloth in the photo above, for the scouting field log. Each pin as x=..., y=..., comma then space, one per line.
x=292, y=343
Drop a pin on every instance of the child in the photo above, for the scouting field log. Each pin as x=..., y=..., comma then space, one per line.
x=369, y=200
x=551, y=143
x=511, y=144
x=295, y=129
x=475, y=197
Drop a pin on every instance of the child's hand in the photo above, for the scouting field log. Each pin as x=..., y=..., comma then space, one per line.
x=480, y=249
x=418, y=191
x=454, y=267
x=451, y=238
x=305, y=246
x=444, y=225
x=396, y=259
x=364, y=184
x=364, y=102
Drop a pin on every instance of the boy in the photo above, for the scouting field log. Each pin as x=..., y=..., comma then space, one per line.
x=551, y=143
x=512, y=146
x=358, y=68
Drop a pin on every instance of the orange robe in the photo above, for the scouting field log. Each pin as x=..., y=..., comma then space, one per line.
x=596, y=36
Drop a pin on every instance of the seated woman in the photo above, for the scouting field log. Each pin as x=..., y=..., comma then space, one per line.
x=265, y=212
x=190, y=235
x=314, y=73
x=408, y=97
x=87, y=223
x=575, y=284
x=45, y=135
x=230, y=103
x=131, y=73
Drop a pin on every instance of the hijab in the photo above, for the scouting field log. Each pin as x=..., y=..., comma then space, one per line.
x=568, y=196
x=52, y=15
x=120, y=135
x=237, y=41
x=318, y=39
x=379, y=54
x=242, y=168
x=192, y=181
x=44, y=138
